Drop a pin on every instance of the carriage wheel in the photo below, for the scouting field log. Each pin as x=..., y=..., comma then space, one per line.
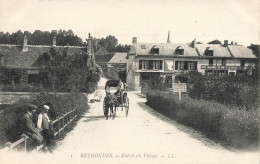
x=126, y=107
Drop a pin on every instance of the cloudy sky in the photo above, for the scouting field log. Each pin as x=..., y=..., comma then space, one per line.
x=148, y=20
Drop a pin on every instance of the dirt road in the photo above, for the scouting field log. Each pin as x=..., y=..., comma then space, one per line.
x=143, y=137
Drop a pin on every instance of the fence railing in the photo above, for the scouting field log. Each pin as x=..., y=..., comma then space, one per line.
x=58, y=126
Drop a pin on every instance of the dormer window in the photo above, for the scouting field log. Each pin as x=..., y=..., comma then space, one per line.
x=179, y=51
x=143, y=47
x=155, y=51
x=209, y=53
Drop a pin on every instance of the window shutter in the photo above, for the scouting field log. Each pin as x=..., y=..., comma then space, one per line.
x=150, y=64
x=195, y=65
x=160, y=64
x=176, y=65
x=140, y=64
x=185, y=65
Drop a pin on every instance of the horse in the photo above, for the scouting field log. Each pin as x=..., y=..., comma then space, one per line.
x=110, y=103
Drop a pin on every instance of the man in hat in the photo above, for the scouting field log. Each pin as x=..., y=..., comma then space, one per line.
x=28, y=125
x=43, y=124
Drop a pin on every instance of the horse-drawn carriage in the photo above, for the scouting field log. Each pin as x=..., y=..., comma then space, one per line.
x=114, y=100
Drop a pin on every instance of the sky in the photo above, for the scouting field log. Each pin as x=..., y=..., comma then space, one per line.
x=148, y=20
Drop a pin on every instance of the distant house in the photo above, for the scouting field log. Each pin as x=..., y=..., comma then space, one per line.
x=26, y=62
x=117, y=64
x=103, y=59
x=147, y=60
x=101, y=51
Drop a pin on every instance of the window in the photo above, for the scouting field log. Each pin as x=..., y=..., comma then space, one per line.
x=150, y=64
x=168, y=81
x=157, y=64
x=192, y=65
x=231, y=73
x=143, y=47
x=208, y=72
x=145, y=64
x=224, y=62
x=179, y=65
x=155, y=51
x=179, y=51
x=185, y=65
x=219, y=73
x=209, y=53
x=210, y=61
x=242, y=63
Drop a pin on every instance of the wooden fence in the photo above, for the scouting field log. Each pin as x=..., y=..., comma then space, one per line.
x=59, y=126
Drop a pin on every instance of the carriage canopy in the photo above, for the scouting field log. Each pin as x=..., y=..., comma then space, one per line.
x=111, y=83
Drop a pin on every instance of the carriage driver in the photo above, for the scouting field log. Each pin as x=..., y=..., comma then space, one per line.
x=120, y=89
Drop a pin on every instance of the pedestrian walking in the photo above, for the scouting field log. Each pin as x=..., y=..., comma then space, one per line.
x=28, y=126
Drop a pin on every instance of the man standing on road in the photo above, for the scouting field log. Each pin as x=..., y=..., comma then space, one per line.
x=28, y=126
x=43, y=124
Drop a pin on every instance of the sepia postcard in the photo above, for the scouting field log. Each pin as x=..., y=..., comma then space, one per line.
x=129, y=81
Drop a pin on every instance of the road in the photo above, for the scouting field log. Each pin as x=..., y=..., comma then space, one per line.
x=143, y=137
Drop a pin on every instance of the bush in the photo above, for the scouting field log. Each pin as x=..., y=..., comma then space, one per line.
x=60, y=104
x=237, y=128
x=241, y=128
x=19, y=88
x=239, y=91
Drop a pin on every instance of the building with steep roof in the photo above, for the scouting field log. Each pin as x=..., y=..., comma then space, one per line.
x=103, y=59
x=29, y=60
x=117, y=65
x=147, y=60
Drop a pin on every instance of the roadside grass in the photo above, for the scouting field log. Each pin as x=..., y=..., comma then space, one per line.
x=234, y=128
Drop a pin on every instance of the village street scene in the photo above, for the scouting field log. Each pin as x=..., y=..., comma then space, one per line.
x=117, y=82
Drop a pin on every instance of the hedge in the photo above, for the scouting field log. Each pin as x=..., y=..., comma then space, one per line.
x=235, y=128
x=10, y=116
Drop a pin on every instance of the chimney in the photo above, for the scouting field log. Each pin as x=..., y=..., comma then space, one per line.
x=89, y=44
x=194, y=43
x=225, y=43
x=134, y=40
x=89, y=51
x=232, y=43
x=168, y=39
x=54, y=41
x=25, y=47
x=235, y=43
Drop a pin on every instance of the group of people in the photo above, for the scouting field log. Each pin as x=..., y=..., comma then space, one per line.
x=42, y=131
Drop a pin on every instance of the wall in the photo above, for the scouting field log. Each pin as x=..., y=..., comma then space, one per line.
x=130, y=72
x=233, y=62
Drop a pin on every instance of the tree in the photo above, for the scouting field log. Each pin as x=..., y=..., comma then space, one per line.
x=16, y=38
x=255, y=48
x=39, y=37
x=214, y=42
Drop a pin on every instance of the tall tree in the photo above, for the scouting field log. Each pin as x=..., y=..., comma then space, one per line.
x=255, y=48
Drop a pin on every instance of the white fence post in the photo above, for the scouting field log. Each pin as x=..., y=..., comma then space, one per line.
x=25, y=143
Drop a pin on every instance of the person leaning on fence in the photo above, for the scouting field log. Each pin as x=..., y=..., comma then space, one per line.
x=28, y=125
x=43, y=124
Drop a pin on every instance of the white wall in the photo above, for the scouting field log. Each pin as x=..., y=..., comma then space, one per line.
x=130, y=72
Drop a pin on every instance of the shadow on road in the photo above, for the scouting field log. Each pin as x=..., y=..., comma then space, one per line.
x=92, y=118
